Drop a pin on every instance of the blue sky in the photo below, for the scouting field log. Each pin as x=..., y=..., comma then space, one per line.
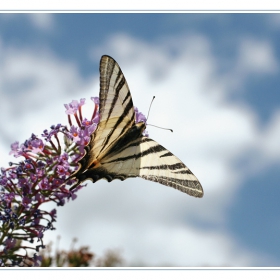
x=216, y=81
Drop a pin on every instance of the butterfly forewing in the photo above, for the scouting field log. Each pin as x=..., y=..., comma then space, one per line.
x=115, y=109
x=118, y=150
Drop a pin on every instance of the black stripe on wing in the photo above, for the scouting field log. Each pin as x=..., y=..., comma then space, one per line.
x=106, y=70
x=168, y=154
x=182, y=172
x=174, y=166
x=151, y=150
x=116, y=107
x=117, y=93
x=128, y=107
x=126, y=97
x=191, y=187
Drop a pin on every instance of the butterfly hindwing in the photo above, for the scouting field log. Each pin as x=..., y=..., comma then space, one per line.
x=118, y=150
x=160, y=165
x=149, y=160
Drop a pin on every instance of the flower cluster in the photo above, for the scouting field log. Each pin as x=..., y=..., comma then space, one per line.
x=140, y=117
x=43, y=175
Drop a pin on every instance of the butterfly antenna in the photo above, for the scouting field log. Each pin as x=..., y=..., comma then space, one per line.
x=150, y=107
x=152, y=124
x=160, y=127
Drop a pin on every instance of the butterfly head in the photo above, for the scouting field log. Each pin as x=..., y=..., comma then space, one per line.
x=140, y=126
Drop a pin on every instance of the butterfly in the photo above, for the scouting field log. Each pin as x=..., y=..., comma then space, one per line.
x=118, y=149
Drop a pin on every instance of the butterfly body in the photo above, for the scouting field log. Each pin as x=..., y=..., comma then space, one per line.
x=118, y=149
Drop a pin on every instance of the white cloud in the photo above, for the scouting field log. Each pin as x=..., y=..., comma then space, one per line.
x=257, y=56
x=34, y=86
x=153, y=224
x=43, y=21
x=269, y=141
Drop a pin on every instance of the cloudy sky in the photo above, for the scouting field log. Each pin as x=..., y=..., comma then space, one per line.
x=216, y=82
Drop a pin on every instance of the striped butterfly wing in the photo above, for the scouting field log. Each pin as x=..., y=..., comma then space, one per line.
x=115, y=110
x=118, y=150
x=116, y=107
x=147, y=159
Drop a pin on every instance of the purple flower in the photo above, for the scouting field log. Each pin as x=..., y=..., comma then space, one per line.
x=3, y=181
x=54, y=131
x=139, y=117
x=43, y=175
x=38, y=198
x=145, y=133
x=74, y=132
x=95, y=100
x=95, y=114
x=61, y=170
x=26, y=201
x=87, y=122
x=15, y=150
x=36, y=146
x=57, y=182
x=8, y=198
x=10, y=243
x=44, y=184
x=53, y=214
x=64, y=157
x=72, y=108
x=82, y=102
